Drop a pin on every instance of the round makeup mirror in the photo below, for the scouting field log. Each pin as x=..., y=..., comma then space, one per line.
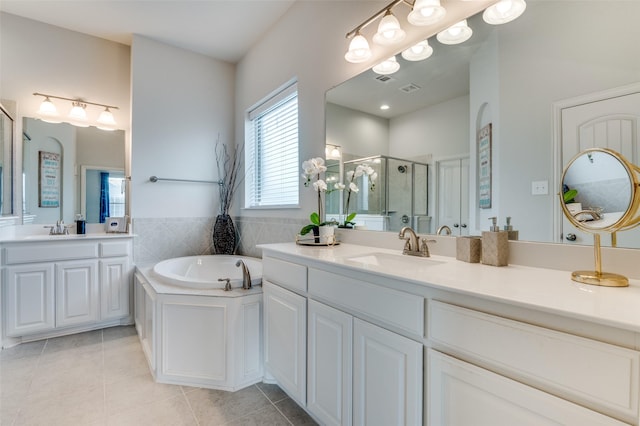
x=600, y=194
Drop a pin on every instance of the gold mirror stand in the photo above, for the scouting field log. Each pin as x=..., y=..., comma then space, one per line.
x=597, y=277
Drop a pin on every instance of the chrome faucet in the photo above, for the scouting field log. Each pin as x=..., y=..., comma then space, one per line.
x=414, y=245
x=246, y=276
x=444, y=228
x=58, y=229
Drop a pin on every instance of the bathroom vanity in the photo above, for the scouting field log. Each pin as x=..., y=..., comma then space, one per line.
x=63, y=284
x=363, y=335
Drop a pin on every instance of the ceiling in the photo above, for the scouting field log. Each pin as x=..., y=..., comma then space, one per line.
x=222, y=29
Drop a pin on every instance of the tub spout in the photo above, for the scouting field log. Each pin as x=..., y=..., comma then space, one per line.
x=246, y=276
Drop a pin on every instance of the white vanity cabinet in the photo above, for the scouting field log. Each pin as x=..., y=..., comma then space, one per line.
x=336, y=352
x=65, y=285
x=285, y=354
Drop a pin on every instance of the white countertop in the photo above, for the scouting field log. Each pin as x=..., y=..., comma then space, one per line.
x=542, y=289
x=70, y=237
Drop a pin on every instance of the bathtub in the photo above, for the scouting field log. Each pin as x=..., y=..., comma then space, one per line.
x=193, y=333
x=203, y=272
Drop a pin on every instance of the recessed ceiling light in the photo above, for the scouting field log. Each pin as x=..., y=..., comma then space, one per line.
x=384, y=107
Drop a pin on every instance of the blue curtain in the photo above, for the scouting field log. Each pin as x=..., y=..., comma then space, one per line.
x=104, y=196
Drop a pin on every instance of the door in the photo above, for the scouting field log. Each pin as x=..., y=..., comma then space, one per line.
x=387, y=377
x=606, y=123
x=76, y=292
x=329, y=372
x=461, y=394
x=285, y=339
x=30, y=302
x=114, y=287
x=452, y=201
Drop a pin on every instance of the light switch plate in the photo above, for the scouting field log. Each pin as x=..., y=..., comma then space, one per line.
x=540, y=187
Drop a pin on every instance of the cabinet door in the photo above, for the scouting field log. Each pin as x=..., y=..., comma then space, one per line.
x=29, y=299
x=463, y=394
x=387, y=377
x=329, y=372
x=285, y=345
x=115, y=278
x=76, y=292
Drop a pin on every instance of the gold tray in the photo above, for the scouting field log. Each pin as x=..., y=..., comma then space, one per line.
x=304, y=241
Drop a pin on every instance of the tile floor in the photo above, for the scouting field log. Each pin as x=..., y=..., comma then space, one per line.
x=102, y=378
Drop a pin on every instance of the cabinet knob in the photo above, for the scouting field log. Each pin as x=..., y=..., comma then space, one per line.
x=571, y=237
x=455, y=225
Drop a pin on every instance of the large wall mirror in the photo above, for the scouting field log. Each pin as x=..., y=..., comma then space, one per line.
x=512, y=76
x=69, y=170
x=6, y=162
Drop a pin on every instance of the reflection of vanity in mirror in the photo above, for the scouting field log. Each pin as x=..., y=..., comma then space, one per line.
x=69, y=170
x=525, y=78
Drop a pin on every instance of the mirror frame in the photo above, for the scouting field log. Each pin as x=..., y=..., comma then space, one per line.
x=8, y=194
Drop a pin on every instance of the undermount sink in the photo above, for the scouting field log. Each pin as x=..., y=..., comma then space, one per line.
x=390, y=261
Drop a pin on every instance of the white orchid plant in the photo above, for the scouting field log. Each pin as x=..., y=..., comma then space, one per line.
x=311, y=173
x=311, y=170
x=351, y=187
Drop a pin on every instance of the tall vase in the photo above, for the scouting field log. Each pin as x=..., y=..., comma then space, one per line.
x=224, y=235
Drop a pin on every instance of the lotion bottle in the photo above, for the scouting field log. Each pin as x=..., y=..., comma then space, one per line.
x=513, y=235
x=495, y=245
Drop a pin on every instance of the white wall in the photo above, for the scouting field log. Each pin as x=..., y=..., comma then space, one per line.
x=356, y=132
x=440, y=131
x=181, y=102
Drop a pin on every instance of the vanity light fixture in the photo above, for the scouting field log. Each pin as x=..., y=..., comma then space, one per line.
x=78, y=114
x=418, y=51
x=426, y=12
x=504, y=11
x=388, y=66
x=389, y=30
x=455, y=34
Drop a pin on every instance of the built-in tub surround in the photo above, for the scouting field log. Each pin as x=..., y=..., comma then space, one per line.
x=528, y=339
x=202, y=337
x=209, y=272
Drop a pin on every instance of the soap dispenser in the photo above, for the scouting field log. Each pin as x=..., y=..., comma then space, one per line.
x=495, y=245
x=512, y=235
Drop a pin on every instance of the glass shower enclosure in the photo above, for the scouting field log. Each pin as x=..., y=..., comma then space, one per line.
x=399, y=198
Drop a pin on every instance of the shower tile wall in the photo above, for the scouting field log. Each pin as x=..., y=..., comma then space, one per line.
x=158, y=239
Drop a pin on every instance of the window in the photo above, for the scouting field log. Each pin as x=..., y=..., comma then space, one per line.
x=272, y=171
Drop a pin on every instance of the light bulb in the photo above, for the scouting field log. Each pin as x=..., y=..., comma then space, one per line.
x=504, y=11
x=426, y=12
x=78, y=115
x=455, y=34
x=48, y=111
x=388, y=66
x=106, y=120
x=418, y=51
x=359, y=50
x=389, y=30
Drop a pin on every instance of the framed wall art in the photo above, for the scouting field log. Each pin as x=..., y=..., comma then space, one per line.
x=49, y=179
x=484, y=167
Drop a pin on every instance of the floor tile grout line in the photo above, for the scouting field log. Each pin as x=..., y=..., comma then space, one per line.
x=184, y=394
x=31, y=379
x=274, y=405
x=105, y=419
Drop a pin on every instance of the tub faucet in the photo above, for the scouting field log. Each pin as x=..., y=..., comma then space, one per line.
x=445, y=228
x=246, y=276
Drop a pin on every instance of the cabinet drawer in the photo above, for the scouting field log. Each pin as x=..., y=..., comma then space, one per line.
x=115, y=249
x=398, y=309
x=285, y=274
x=47, y=252
x=586, y=371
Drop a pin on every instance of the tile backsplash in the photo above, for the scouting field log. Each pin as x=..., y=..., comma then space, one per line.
x=158, y=239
